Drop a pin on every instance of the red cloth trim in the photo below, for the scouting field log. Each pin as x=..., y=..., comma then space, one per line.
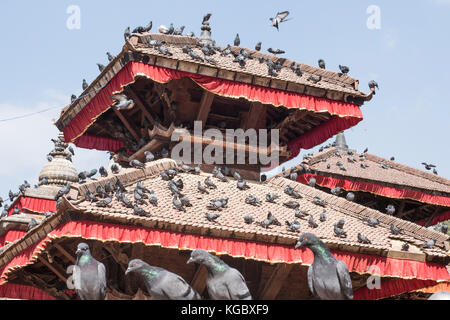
x=102, y=101
x=37, y=205
x=391, y=288
x=87, y=141
x=443, y=286
x=444, y=216
x=390, y=192
x=402, y=268
x=11, y=236
x=19, y=291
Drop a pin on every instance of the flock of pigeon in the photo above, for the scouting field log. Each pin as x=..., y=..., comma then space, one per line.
x=241, y=57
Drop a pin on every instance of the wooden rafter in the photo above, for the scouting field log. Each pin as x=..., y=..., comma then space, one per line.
x=199, y=280
x=52, y=268
x=275, y=282
x=257, y=111
x=34, y=280
x=141, y=106
x=427, y=224
x=405, y=213
x=65, y=253
x=205, y=106
x=126, y=123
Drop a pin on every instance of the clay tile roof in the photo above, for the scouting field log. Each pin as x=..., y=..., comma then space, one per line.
x=231, y=222
x=398, y=175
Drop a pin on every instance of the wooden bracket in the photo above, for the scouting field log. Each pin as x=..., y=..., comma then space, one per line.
x=275, y=282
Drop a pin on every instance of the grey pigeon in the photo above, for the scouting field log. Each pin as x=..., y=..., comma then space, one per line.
x=372, y=85
x=242, y=185
x=312, y=223
x=270, y=197
x=390, y=209
x=63, y=191
x=328, y=278
x=152, y=198
x=312, y=182
x=141, y=29
x=185, y=201
x=89, y=275
x=248, y=219
x=101, y=67
x=444, y=229
x=395, y=230
x=292, y=204
x=314, y=79
x=110, y=57
x=177, y=204
x=33, y=223
x=373, y=222
x=279, y=18
x=137, y=164
x=323, y=217
x=237, y=40
x=321, y=64
x=222, y=281
x=139, y=211
x=121, y=102
x=253, y=200
x=276, y=51
x=350, y=196
x=405, y=246
x=127, y=33
x=258, y=46
x=339, y=232
x=115, y=168
x=363, y=239
x=344, y=70
x=429, y=244
x=105, y=202
x=162, y=284
x=73, y=98
x=320, y=202
x=293, y=226
x=201, y=188
x=301, y=214
x=212, y=217
x=85, y=84
x=103, y=172
x=209, y=183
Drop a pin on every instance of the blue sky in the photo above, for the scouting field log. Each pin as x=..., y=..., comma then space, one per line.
x=42, y=63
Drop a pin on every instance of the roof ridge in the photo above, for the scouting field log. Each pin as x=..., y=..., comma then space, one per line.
x=361, y=211
x=126, y=176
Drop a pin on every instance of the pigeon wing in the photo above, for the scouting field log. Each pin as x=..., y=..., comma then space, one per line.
x=344, y=280
x=236, y=285
x=310, y=281
x=282, y=15
x=102, y=279
x=173, y=287
x=118, y=97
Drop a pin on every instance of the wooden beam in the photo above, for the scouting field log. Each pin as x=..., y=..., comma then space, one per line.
x=401, y=208
x=52, y=268
x=199, y=280
x=427, y=224
x=256, y=112
x=275, y=282
x=36, y=281
x=65, y=253
x=141, y=106
x=126, y=123
x=413, y=210
x=205, y=106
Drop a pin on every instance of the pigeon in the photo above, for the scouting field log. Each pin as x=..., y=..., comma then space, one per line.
x=237, y=40
x=293, y=226
x=272, y=72
x=164, y=50
x=318, y=201
x=350, y=196
x=435, y=171
x=209, y=183
x=293, y=176
x=364, y=166
x=195, y=56
x=89, y=275
x=163, y=29
x=292, y=204
x=428, y=166
x=110, y=56
x=339, y=232
x=392, y=158
x=139, y=211
x=137, y=164
x=210, y=60
x=344, y=70
x=301, y=214
x=63, y=191
x=248, y=219
x=85, y=85
x=206, y=17
x=390, y=209
x=291, y=192
x=242, y=185
x=33, y=223
x=115, y=168
x=253, y=200
x=405, y=246
x=201, y=188
x=127, y=33
x=122, y=102
x=221, y=177
x=49, y=158
x=321, y=64
x=222, y=282
x=212, y=217
x=429, y=244
x=314, y=79
x=395, y=230
x=271, y=197
x=328, y=166
x=73, y=98
x=323, y=217
x=101, y=67
x=103, y=172
x=105, y=202
x=312, y=182
x=185, y=201
x=328, y=278
x=444, y=229
x=162, y=284
x=171, y=29
x=226, y=51
x=336, y=191
x=261, y=59
x=276, y=51
x=372, y=85
x=16, y=210
x=279, y=18
x=312, y=223
x=177, y=204
x=143, y=29
x=126, y=201
x=258, y=46
x=363, y=239
x=153, y=199
x=373, y=222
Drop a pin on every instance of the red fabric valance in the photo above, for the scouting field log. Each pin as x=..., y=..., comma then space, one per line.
x=19, y=291
x=391, y=288
x=389, y=267
x=346, y=114
x=11, y=236
x=31, y=204
x=390, y=192
x=87, y=141
x=444, y=216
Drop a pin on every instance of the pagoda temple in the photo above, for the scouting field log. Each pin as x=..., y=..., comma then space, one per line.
x=169, y=92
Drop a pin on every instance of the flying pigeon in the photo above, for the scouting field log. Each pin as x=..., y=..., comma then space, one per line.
x=321, y=64
x=122, y=102
x=428, y=166
x=279, y=18
x=328, y=278
x=162, y=284
x=89, y=275
x=222, y=281
x=372, y=85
